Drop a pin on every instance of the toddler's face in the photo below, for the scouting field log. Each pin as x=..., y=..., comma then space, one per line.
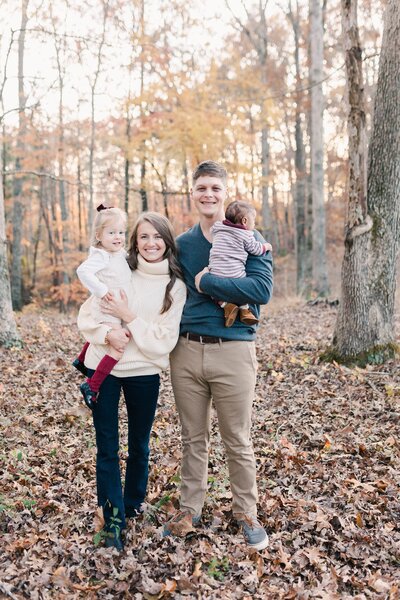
x=112, y=236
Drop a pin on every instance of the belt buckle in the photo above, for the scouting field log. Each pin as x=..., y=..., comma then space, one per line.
x=201, y=340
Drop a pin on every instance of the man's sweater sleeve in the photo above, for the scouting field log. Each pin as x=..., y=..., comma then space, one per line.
x=255, y=288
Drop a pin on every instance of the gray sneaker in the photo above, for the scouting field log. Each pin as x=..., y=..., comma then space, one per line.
x=254, y=533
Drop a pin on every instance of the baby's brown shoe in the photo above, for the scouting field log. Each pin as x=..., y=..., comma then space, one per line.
x=230, y=313
x=247, y=317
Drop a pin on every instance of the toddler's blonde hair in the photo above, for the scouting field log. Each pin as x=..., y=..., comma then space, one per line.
x=103, y=218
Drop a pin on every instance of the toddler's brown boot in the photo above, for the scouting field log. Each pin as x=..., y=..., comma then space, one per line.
x=247, y=317
x=230, y=313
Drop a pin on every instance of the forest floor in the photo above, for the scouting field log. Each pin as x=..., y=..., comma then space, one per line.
x=327, y=444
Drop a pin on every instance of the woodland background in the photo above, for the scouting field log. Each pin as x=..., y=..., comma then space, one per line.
x=118, y=101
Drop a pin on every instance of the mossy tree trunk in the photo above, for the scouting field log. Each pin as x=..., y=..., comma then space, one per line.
x=365, y=329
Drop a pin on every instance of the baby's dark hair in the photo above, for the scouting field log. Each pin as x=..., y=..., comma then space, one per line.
x=237, y=210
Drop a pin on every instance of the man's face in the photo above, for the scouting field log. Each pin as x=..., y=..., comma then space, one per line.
x=208, y=195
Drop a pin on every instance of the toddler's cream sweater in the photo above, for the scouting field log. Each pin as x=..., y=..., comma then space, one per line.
x=154, y=335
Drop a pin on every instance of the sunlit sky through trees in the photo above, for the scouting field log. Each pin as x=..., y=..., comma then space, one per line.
x=212, y=20
x=175, y=84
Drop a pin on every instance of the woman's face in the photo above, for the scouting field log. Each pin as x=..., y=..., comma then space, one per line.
x=149, y=242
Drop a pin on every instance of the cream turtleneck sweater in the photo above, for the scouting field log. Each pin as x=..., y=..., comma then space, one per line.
x=154, y=335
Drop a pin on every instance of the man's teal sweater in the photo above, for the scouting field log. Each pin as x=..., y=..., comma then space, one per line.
x=201, y=315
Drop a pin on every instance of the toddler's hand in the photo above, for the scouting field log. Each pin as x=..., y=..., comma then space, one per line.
x=118, y=339
x=108, y=296
x=267, y=247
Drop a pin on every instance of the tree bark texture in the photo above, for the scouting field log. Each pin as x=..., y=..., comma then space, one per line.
x=93, y=91
x=319, y=262
x=384, y=181
x=300, y=186
x=262, y=49
x=63, y=225
x=8, y=330
x=18, y=205
x=365, y=319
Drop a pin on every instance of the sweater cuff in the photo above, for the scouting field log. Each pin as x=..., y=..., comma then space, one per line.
x=100, y=334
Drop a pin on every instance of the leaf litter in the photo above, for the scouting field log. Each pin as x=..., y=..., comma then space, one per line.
x=326, y=439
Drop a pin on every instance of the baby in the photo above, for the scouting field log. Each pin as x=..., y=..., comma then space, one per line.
x=233, y=241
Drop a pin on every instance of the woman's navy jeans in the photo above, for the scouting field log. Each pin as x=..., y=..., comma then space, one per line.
x=141, y=394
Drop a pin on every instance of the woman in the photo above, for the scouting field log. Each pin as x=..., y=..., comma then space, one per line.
x=151, y=311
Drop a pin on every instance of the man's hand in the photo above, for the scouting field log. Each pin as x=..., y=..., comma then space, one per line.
x=198, y=277
x=118, y=338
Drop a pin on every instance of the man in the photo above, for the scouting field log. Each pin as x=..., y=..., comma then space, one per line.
x=211, y=361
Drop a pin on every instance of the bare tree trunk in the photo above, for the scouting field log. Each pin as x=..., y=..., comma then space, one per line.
x=127, y=165
x=252, y=154
x=93, y=88
x=302, y=283
x=9, y=335
x=258, y=37
x=275, y=221
x=265, y=166
x=365, y=330
x=81, y=224
x=320, y=274
x=143, y=191
x=384, y=184
x=164, y=186
x=18, y=206
x=64, y=237
x=80, y=207
x=265, y=210
x=38, y=235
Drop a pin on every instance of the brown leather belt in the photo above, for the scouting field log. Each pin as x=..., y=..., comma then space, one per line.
x=204, y=339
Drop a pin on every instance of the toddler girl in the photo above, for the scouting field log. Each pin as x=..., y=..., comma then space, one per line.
x=104, y=273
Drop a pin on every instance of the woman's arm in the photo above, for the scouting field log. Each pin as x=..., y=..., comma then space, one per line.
x=95, y=332
x=158, y=338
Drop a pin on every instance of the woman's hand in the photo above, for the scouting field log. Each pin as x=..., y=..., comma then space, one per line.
x=117, y=305
x=118, y=339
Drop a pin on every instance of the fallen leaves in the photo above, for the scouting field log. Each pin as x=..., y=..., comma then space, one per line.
x=327, y=444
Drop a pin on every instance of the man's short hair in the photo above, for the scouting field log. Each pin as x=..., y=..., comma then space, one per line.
x=210, y=168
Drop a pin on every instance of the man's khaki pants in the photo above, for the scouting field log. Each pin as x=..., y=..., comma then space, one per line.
x=227, y=373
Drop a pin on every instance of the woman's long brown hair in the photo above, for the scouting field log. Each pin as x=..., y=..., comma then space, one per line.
x=164, y=228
